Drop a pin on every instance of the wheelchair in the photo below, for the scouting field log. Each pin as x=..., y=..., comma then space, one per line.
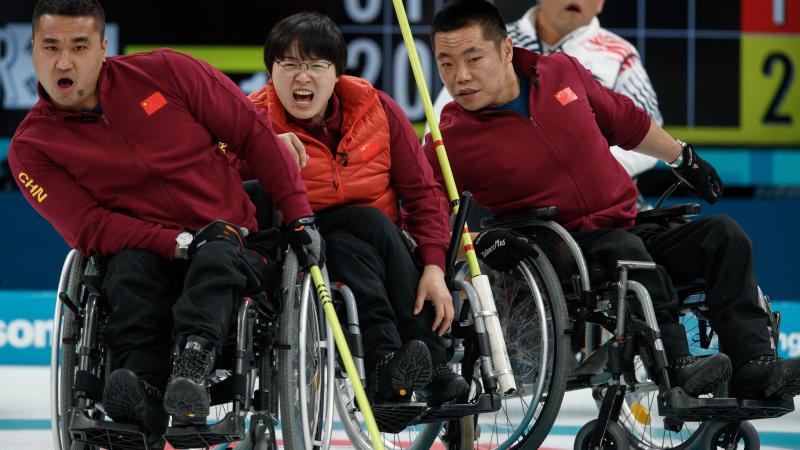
x=270, y=356
x=274, y=361
x=551, y=312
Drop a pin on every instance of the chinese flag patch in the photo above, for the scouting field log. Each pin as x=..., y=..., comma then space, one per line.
x=565, y=96
x=153, y=103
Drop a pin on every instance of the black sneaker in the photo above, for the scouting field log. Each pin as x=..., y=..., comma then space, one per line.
x=767, y=376
x=445, y=386
x=187, y=399
x=699, y=376
x=397, y=375
x=127, y=399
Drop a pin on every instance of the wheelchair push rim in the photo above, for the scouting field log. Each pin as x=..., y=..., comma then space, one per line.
x=306, y=358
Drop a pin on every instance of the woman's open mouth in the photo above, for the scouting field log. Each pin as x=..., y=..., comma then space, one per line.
x=303, y=97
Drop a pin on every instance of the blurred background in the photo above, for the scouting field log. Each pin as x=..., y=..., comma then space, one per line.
x=725, y=71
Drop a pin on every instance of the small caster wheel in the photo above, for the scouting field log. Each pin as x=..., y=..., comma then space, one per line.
x=615, y=437
x=718, y=436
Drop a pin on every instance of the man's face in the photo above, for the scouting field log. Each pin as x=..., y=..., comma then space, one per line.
x=567, y=15
x=68, y=53
x=304, y=87
x=474, y=70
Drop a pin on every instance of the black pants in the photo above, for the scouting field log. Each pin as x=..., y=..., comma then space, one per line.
x=366, y=251
x=715, y=249
x=153, y=301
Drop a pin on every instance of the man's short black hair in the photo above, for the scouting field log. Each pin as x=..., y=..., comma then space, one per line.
x=317, y=36
x=458, y=14
x=72, y=8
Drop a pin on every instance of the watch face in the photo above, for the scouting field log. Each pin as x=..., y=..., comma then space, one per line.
x=184, y=239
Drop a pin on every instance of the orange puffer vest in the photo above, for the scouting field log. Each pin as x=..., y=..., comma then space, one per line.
x=362, y=179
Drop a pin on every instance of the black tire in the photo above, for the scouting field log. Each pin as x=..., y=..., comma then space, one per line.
x=67, y=339
x=288, y=370
x=615, y=438
x=715, y=433
x=517, y=311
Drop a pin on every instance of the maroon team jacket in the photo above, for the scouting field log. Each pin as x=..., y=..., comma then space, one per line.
x=558, y=156
x=147, y=165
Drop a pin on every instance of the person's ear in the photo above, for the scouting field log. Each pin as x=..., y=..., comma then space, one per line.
x=507, y=47
x=104, y=47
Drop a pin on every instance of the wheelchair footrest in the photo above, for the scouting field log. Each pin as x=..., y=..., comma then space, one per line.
x=103, y=434
x=678, y=404
x=229, y=429
x=395, y=417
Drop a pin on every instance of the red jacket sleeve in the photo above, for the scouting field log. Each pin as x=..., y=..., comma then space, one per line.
x=79, y=219
x=620, y=120
x=220, y=105
x=412, y=178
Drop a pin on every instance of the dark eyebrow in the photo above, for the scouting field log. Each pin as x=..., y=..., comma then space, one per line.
x=467, y=51
x=81, y=40
x=49, y=40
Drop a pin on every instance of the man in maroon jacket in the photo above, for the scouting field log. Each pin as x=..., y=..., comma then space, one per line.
x=120, y=155
x=528, y=130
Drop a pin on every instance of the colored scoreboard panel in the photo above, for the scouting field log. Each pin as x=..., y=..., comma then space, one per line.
x=769, y=86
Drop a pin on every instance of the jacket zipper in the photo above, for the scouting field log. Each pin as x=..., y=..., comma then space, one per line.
x=149, y=172
x=535, y=85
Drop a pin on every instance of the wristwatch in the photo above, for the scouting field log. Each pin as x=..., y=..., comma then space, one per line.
x=686, y=153
x=184, y=240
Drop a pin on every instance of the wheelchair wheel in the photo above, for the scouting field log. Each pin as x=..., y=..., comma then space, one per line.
x=614, y=439
x=66, y=333
x=716, y=436
x=532, y=311
x=639, y=414
x=414, y=437
x=304, y=367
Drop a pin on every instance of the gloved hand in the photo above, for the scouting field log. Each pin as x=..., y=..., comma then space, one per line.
x=305, y=240
x=503, y=249
x=218, y=230
x=699, y=175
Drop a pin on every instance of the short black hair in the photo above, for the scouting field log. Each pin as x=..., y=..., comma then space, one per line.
x=458, y=14
x=72, y=8
x=317, y=36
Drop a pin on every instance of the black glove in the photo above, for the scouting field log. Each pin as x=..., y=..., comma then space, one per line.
x=305, y=240
x=503, y=249
x=218, y=230
x=699, y=175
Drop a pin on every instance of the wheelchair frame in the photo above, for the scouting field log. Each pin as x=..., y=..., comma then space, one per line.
x=588, y=310
x=76, y=389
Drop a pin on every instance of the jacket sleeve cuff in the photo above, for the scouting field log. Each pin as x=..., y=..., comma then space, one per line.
x=164, y=243
x=432, y=254
x=294, y=207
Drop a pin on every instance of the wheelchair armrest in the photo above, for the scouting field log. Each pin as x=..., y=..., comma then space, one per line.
x=520, y=218
x=669, y=213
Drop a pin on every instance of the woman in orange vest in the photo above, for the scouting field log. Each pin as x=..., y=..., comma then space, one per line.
x=360, y=159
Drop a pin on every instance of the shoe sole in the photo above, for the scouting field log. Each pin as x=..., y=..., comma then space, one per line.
x=707, y=383
x=412, y=369
x=124, y=399
x=187, y=401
